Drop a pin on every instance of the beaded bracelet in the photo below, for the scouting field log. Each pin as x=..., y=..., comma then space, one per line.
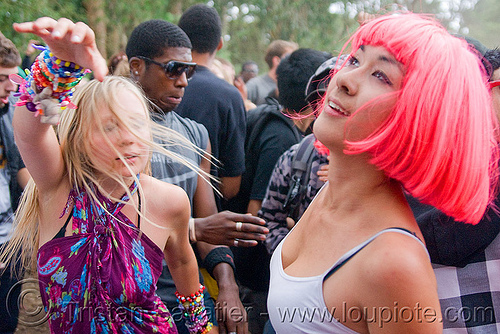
x=194, y=312
x=49, y=71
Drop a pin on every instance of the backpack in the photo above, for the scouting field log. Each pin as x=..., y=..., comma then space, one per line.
x=301, y=171
x=258, y=117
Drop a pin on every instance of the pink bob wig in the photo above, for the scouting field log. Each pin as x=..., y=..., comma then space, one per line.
x=439, y=141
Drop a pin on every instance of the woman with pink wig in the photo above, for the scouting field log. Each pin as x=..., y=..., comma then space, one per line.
x=409, y=110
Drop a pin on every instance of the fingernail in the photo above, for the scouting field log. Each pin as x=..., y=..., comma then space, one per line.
x=76, y=39
x=56, y=33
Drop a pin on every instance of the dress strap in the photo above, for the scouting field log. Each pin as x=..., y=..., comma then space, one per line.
x=347, y=256
x=119, y=205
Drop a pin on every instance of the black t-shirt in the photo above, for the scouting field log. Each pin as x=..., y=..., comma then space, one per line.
x=274, y=137
x=219, y=107
x=265, y=143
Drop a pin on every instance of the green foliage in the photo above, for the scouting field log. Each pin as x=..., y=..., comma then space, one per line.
x=482, y=22
x=249, y=25
x=28, y=10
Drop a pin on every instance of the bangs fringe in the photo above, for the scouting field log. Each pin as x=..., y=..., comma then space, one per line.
x=439, y=140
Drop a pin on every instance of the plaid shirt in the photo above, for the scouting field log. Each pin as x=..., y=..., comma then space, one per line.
x=466, y=261
x=470, y=296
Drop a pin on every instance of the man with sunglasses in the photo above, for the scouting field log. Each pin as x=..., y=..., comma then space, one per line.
x=159, y=54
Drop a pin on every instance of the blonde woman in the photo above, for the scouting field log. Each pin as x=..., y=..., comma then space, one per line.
x=95, y=222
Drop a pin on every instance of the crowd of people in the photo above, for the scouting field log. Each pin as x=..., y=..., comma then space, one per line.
x=160, y=191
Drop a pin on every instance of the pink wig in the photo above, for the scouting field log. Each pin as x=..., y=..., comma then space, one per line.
x=439, y=141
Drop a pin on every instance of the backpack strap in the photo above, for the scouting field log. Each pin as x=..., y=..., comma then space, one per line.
x=301, y=170
x=257, y=119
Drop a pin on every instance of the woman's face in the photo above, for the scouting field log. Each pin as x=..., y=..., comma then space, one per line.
x=116, y=140
x=371, y=73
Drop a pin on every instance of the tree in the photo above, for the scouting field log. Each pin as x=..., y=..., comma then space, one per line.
x=29, y=10
x=481, y=22
x=250, y=25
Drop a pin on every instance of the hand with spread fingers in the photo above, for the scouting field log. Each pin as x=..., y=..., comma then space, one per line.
x=231, y=229
x=73, y=42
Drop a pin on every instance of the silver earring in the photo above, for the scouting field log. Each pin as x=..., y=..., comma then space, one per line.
x=136, y=73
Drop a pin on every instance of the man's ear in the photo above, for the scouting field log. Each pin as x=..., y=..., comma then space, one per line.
x=276, y=61
x=221, y=44
x=137, y=67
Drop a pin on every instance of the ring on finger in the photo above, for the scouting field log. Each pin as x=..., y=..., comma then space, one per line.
x=238, y=226
x=236, y=242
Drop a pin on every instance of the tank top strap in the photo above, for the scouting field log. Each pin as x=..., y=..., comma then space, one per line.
x=347, y=256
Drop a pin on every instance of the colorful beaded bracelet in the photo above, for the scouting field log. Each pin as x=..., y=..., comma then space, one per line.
x=49, y=71
x=182, y=299
x=194, y=311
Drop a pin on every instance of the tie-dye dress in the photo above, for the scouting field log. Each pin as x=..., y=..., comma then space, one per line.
x=102, y=278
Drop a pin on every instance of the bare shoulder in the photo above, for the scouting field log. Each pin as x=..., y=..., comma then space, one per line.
x=399, y=263
x=396, y=274
x=165, y=200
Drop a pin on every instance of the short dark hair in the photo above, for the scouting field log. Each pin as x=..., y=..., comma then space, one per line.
x=203, y=26
x=293, y=74
x=151, y=38
x=248, y=63
x=491, y=61
x=9, y=55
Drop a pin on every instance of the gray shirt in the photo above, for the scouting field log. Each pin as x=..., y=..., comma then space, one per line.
x=170, y=170
x=259, y=88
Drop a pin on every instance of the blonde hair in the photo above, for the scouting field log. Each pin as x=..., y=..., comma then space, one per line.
x=72, y=132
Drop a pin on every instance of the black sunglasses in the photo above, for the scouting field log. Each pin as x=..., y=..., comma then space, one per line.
x=174, y=69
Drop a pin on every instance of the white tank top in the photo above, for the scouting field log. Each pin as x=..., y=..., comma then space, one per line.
x=296, y=304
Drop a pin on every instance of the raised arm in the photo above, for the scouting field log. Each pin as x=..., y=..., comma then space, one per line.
x=39, y=149
x=70, y=41
x=37, y=141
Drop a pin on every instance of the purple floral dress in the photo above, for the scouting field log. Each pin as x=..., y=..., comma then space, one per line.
x=102, y=278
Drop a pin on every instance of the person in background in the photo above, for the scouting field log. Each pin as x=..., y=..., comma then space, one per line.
x=272, y=129
x=13, y=177
x=160, y=62
x=260, y=87
x=249, y=70
x=295, y=181
x=213, y=102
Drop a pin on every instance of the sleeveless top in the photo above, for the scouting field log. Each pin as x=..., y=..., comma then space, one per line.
x=296, y=304
x=102, y=278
